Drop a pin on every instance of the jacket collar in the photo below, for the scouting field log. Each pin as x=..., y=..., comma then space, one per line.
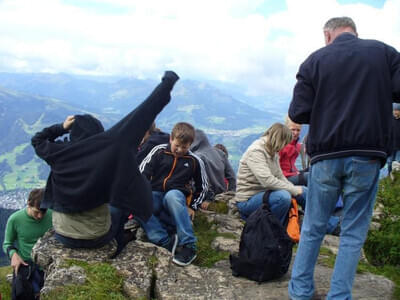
x=345, y=36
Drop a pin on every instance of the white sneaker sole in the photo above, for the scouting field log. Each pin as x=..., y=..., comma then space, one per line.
x=175, y=245
x=182, y=264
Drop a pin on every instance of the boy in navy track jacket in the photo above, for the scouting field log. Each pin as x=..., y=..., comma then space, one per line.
x=179, y=184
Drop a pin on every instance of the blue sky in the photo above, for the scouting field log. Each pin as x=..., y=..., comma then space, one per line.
x=257, y=45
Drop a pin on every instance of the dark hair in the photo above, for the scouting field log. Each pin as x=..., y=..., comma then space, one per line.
x=183, y=132
x=35, y=197
x=222, y=148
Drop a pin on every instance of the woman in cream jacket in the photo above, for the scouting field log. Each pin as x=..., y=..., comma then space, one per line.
x=259, y=171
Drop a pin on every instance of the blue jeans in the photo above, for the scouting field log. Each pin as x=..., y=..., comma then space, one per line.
x=118, y=219
x=358, y=178
x=279, y=204
x=169, y=207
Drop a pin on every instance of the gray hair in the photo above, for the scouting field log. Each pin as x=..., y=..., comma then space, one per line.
x=340, y=22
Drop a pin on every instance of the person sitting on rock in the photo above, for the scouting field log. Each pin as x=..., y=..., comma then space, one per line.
x=259, y=171
x=94, y=181
x=288, y=156
x=153, y=137
x=217, y=167
x=395, y=155
x=225, y=151
x=24, y=227
x=171, y=169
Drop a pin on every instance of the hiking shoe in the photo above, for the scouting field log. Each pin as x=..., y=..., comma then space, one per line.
x=131, y=224
x=172, y=243
x=185, y=255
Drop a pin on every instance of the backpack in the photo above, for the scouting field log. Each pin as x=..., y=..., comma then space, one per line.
x=293, y=226
x=21, y=285
x=265, y=249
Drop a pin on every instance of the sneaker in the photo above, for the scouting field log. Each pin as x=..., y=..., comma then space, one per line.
x=172, y=243
x=131, y=224
x=185, y=255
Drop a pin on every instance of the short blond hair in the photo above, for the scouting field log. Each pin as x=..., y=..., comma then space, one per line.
x=289, y=121
x=278, y=136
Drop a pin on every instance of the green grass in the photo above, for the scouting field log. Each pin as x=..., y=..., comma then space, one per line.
x=5, y=287
x=22, y=176
x=205, y=233
x=102, y=282
x=220, y=207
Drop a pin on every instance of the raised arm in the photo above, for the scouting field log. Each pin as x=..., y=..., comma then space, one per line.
x=133, y=126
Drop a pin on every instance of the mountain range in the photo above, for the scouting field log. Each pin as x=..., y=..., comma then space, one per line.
x=29, y=102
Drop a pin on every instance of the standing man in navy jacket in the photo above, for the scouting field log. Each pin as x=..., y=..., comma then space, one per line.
x=345, y=92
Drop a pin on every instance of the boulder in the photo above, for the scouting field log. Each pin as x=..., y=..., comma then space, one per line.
x=149, y=273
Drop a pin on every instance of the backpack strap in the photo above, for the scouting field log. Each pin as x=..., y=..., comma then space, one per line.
x=265, y=200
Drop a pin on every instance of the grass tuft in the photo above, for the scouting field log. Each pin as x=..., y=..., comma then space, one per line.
x=102, y=282
x=5, y=287
x=205, y=233
x=220, y=207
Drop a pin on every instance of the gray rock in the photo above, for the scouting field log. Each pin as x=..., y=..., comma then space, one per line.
x=148, y=271
x=62, y=276
x=226, y=224
x=225, y=244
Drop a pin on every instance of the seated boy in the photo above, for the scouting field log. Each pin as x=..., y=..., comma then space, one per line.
x=171, y=169
x=23, y=229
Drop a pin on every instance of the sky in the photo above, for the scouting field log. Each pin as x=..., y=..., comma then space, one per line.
x=255, y=44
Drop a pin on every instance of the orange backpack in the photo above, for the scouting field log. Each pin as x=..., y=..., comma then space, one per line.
x=293, y=227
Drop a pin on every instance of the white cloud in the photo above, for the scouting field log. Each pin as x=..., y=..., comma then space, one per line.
x=219, y=40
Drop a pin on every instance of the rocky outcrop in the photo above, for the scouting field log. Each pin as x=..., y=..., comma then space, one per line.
x=150, y=273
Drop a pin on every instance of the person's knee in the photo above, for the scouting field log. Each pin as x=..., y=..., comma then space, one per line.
x=174, y=197
x=285, y=199
x=280, y=203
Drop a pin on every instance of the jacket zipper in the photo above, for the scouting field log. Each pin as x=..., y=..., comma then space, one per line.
x=170, y=173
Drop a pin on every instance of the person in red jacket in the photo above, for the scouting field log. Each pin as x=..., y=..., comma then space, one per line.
x=289, y=154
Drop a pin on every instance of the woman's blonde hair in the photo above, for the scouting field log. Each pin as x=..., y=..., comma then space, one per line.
x=278, y=136
x=289, y=122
